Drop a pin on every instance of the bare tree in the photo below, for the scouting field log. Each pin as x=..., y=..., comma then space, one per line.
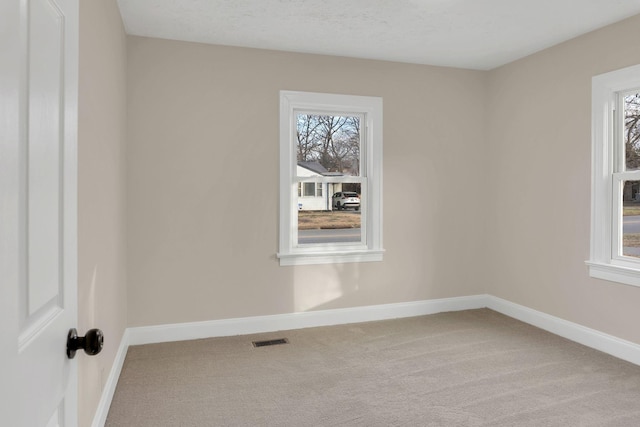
x=632, y=130
x=333, y=141
x=631, y=189
x=308, y=137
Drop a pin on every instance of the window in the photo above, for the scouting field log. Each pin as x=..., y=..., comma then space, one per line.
x=309, y=189
x=330, y=145
x=615, y=210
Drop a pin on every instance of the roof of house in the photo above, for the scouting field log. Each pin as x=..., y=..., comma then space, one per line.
x=318, y=168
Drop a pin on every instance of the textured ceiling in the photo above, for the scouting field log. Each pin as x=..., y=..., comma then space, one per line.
x=476, y=34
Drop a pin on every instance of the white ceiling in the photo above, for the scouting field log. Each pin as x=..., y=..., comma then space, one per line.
x=476, y=34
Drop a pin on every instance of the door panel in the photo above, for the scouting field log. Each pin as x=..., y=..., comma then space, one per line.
x=38, y=190
x=45, y=143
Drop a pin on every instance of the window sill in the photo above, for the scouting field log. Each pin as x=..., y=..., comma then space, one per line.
x=614, y=273
x=308, y=258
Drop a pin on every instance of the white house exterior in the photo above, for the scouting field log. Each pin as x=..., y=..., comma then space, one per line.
x=315, y=196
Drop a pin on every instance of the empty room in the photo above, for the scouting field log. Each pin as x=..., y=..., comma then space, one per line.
x=287, y=213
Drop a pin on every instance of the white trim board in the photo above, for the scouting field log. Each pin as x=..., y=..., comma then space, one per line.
x=280, y=322
x=625, y=350
x=609, y=344
x=109, y=389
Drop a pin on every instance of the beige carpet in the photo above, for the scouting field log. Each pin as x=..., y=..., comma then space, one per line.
x=469, y=368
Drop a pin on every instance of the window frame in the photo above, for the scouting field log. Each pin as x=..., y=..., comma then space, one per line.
x=370, y=247
x=608, y=175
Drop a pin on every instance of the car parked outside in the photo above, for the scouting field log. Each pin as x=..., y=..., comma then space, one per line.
x=345, y=200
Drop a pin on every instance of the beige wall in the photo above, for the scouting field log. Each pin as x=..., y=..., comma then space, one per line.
x=101, y=163
x=203, y=183
x=486, y=179
x=540, y=149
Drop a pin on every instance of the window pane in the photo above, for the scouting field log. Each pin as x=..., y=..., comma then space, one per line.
x=333, y=218
x=329, y=145
x=319, y=190
x=631, y=219
x=309, y=189
x=632, y=131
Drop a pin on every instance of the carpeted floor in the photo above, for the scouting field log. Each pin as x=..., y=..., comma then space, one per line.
x=468, y=368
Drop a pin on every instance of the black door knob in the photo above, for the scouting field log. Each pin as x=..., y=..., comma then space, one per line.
x=91, y=343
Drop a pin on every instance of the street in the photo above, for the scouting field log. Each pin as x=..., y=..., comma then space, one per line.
x=631, y=224
x=340, y=235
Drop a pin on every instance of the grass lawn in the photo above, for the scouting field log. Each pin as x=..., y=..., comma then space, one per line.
x=629, y=210
x=312, y=220
x=631, y=240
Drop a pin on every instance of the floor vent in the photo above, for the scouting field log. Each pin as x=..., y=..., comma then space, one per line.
x=270, y=342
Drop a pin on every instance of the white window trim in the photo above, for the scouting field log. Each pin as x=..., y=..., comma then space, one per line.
x=606, y=228
x=372, y=250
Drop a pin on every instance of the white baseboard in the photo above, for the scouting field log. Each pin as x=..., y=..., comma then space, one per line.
x=281, y=322
x=609, y=344
x=102, y=411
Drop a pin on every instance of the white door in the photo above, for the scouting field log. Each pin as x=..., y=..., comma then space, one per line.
x=38, y=210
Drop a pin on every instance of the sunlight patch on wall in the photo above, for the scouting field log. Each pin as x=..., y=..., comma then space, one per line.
x=323, y=284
